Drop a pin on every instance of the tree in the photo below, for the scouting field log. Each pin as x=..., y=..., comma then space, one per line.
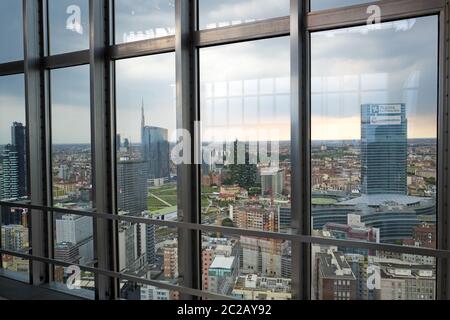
x=243, y=175
x=227, y=222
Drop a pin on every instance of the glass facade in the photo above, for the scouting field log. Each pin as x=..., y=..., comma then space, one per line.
x=200, y=154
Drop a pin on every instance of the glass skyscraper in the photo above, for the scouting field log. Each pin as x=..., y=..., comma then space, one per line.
x=383, y=149
x=155, y=150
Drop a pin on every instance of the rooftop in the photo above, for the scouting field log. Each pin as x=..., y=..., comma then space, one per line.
x=222, y=262
x=377, y=200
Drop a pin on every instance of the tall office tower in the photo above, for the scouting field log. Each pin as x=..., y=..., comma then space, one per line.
x=132, y=193
x=9, y=183
x=155, y=150
x=10, y=176
x=118, y=142
x=18, y=138
x=150, y=230
x=132, y=186
x=383, y=149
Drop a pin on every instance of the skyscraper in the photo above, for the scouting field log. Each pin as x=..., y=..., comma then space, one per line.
x=383, y=149
x=155, y=149
x=9, y=179
x=132, y=186
x=18, y=139
x=132, y=199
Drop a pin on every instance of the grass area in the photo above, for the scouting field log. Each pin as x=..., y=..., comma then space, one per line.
x=205, y=201
x=323, y=201
x=206, y=190
x=162, y=197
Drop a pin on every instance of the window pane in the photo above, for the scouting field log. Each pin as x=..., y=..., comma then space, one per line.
x=223, y=13
x=13, y=139
x=360, y=274
x=68, y=25
x=146, y=177
x=15, y=237
x=246, y=268
x=374, y=133
x=246, y=134
x=14, y=222
x=149, y=252
x=245, y=111
x=72, y=168
x=143, y=19
x=11, y=30
x=330, y=4
x=146, y=132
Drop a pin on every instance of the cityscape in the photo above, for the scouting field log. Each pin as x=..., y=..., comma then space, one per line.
x=381, y=188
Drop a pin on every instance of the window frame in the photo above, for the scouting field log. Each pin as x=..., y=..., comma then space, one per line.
x=186, y=43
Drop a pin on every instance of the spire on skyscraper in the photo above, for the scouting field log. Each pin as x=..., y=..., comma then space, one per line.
x=143, y=114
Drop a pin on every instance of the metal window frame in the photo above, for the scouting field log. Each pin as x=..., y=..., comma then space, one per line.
x=186, y=43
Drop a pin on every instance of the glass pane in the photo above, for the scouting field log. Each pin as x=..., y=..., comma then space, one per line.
x=14, y=222
x=68, y=25
x=72, y=168
x=359, y=274
x=146, y=132
x=11, y=30
x=331, y=4
x=13, y=139
x=245, y=111
x=143, y=19
x=223, y=13
x=148, y=252
x=15, y=237
x=146, y=177
x=246, y=268
x=374, y=133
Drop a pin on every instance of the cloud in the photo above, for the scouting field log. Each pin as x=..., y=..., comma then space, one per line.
x=217, y=11
x=396, y=64
x=151, y=79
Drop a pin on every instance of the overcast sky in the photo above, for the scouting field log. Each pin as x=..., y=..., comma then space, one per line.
x=395, y=64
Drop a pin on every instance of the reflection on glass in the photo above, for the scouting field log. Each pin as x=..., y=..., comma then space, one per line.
x=143, y=19
x=68, y=25
x=246, y=268
x=224, y=13
x=245, y=111
x=72, y=169
x=358, y=274
x=374, y=134
x=330, y=4
x=11, y=30
x=13, y=175
x=146, y=176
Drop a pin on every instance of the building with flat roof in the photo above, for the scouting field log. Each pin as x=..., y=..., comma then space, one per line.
x=254, y=287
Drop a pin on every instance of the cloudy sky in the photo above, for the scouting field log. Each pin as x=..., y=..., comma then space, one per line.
x=397, y=63
x=243, y=86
